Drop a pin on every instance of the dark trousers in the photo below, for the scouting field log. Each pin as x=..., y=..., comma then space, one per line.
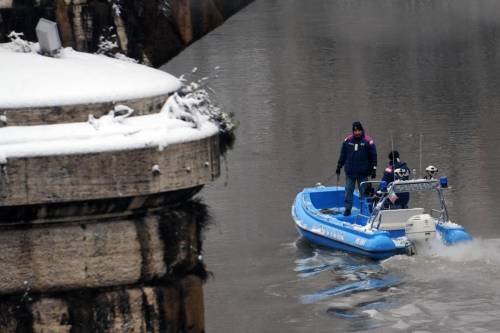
x=350, y=184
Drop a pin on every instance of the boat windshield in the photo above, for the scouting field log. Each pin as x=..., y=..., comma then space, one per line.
x=414, y=185
x=381, y=200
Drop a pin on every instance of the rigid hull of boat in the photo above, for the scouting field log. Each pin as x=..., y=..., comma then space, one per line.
x=329, y=230
x=318, y=219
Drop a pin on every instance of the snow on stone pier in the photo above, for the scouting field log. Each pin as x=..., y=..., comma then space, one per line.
x=28, y=79
x=157, y=130
x=80, y=127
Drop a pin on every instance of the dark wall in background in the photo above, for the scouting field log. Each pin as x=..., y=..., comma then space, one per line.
x=151, y=31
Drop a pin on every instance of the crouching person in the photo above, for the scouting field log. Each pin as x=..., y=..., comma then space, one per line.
x=397, y=170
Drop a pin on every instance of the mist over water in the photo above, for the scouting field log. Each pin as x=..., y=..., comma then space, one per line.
x=297, y=74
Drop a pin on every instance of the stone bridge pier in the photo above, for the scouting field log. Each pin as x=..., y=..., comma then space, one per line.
x=107, y=240
x=137, y=273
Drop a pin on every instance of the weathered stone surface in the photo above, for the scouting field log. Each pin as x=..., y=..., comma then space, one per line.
x=205, y=17
x=2, y=28
x=194, y=19
x=63, y=21
x=98, y=254
x=80, y=211
x=122, y=310
x=79, y=112
x=69, y=178
x=162, y=308
x=15, y=314
x=228, y=8
x=50, y=315
x=181, y=12
x=78, y=28
x=5, y=3
x=193, y=304
x=121, y=33
x=44, y=259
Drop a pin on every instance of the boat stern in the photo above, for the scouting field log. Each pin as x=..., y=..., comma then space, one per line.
x=452, y=233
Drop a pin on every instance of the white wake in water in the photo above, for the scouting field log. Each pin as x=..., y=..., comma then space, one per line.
x=441, y=289
x=445, y=288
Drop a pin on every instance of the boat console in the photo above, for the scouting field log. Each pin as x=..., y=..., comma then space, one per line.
x=396, y=218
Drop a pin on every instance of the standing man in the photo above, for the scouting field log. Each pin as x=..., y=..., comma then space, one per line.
x=359, y=156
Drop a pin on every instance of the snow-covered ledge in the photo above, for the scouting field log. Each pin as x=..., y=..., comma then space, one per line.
x=30, y=80
x=36, y=90
x=106, y=148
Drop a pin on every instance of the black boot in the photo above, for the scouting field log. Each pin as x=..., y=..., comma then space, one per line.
x=347, y=212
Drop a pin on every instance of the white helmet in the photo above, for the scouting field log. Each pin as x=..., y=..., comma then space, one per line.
x=401, y=173
x=431, y=171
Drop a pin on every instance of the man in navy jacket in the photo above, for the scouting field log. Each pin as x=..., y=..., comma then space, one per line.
x=359, y=157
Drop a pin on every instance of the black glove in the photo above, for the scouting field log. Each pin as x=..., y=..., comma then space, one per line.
x=337, y=171
x=374, y=173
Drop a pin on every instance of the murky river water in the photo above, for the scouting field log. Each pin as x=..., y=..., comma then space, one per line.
x=297, y=74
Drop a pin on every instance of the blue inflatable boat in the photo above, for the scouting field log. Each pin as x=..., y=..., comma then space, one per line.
x=374, y=229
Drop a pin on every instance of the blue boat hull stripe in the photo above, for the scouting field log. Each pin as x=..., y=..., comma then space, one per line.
x=354, y=248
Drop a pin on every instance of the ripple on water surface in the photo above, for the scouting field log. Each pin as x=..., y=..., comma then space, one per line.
x=438, y=290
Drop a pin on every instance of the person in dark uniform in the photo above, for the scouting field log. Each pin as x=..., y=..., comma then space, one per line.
x=397, y=170
x=358, y=156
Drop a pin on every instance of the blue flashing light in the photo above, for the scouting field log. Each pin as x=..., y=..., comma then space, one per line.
x=383, y=186
x=443, y=181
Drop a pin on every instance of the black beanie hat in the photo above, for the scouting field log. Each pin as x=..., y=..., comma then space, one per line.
x=393, y=155
x=357, y=125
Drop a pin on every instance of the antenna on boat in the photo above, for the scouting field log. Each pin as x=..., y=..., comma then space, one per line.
x=339, y=134
x=337, y=201
x=420, y=156
x=392, y=154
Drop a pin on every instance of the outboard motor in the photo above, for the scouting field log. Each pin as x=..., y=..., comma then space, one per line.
x=420, y=227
